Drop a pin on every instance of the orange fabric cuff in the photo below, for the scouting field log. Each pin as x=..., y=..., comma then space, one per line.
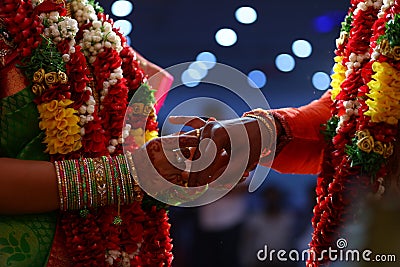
x=300, y=149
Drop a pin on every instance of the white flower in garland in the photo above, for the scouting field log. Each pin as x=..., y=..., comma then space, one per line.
x=60, y=28
x=99, y=36
x=36, y=2
x=356, y=60
x=83, y=12
x=68, y=28
x=385, y=6
x=96, y=38
x=351, y=107
x=65, y=28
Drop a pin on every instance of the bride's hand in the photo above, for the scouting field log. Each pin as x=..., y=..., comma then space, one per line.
x=159, y=159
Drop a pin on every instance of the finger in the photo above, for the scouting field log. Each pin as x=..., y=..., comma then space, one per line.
x=211, y=119
x=212, y=171
x=195, y=132
x=179, y=141
x=177, y=133
x=192, y=121
x=226, y=169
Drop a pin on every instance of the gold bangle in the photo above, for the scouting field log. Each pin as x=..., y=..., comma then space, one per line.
x=60, y=185
x=267, y=123
x=137, y=191
x=101, y=181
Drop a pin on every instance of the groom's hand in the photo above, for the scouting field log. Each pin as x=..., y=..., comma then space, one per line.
x=228, y=149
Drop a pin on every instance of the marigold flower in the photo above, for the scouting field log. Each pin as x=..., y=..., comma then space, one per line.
x=337, y=77
x=51, y=106
x=48, y=124
x=61, y=126
x=137, y=132
x=384, y=94
x=140, y=140
x=391, y=120
x=151, y=135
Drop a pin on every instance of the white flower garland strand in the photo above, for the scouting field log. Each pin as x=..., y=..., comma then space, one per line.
x=355, y=62
x=83, y=12
x=65, y=28
x=377, y=49
x=98, y=36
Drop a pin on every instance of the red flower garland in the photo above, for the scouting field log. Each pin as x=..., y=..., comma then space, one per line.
x=143, y=235
x=339, y=185
x=23, y=24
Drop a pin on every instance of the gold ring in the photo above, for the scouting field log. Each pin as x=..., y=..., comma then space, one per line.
x=197, y=133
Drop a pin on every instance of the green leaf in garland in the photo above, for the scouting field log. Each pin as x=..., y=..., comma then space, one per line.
x=149, y=202
x=346, y=24
x=144, y=94
x=97, y=7
x=370, y=163
x=329, y=129
x=45, y=56
x=392, y=33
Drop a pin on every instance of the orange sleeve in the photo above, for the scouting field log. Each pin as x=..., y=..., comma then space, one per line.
x=300, y=150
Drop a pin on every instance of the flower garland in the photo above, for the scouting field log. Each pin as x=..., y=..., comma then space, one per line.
x=339, y=184
x=364, y=122
x=82, y=72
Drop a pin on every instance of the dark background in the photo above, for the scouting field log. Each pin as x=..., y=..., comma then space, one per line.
x=173, y=32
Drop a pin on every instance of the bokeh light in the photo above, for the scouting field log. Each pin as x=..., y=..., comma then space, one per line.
x=226, y=37
x=302, y=48
x=257, y=79
x=208, y=58
x=321, y=80
x=246, y=15
x=285, y=62
x=189, y=78
x=124, y=25
x=121, y=8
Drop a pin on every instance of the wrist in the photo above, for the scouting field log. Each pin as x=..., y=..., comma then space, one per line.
x=268, y=130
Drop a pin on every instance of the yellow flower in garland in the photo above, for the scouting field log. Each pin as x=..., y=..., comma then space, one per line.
x=150, y=135
x=338, y=76
x=60, y=124
x=139, y=136
x=384, y=94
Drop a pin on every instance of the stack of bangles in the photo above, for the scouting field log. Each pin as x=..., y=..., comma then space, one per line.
x=266, y=119
x=93, y=182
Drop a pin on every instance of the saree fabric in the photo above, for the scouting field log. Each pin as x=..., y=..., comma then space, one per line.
x=25, y=240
